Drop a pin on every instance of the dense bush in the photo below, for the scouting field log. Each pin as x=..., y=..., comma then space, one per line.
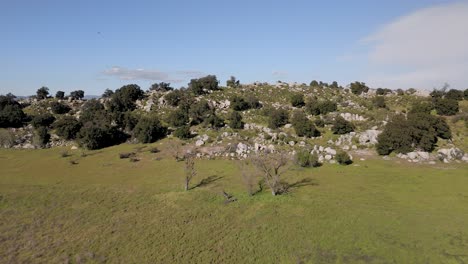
x=183, y=132
x=465, y=94
x=235, y=120
x=42, y=93
x=343, y=158
x=60, y=95
x=77, y=95
x=93, y=111
x=107, y=93
x=446, y=107
x=319, y=122
x=41, y=137
x=232, y=82
x=199, y=111
x=124, y=98
x=178, y=118
x=11, y=114
x=341, y=126
x=161, y=87
x=422, y=107
x=359, y=88
x=383, y=91
x=149, y=129
x=42, y=120
x=418, y=131
x=95, y=136
x=59, y=108
x=238, y=103
x=379, y=102
x=277, y=118
x=303, y=158
x=454, y=94
x=67, y=127
x=201, y=85
x=173, y=98
x=315, y=107
x=303, y=126
x=297, y=100
x=213, y=121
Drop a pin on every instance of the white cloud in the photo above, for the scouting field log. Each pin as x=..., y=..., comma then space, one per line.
x=279, y=74
x=423, y=49
x=152, y=75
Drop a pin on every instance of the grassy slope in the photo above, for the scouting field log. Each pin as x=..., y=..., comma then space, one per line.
x=107, y=209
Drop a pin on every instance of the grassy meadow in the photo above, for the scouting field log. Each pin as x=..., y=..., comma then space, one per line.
x=109, y=210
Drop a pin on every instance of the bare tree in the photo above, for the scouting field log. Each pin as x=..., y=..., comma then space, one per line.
x=249, y=178
x=190, y=171
x=272, y=166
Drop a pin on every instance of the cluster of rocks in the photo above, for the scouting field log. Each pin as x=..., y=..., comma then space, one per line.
x=325, y=154
x=445, y=155
x=450, y=154
x=352, y=117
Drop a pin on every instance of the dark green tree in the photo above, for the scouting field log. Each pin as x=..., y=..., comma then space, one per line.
x=77, y=95
x=297, y=100
x=341, y=126
x=359, y=88
x=67, y=127
x=42, y=93
x=60, y=95
x=235, y=120
x=149, y=129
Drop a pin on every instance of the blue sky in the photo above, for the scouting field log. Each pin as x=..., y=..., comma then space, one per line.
x=94, y=45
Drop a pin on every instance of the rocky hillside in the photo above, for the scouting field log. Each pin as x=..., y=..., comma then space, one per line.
x=239, y=120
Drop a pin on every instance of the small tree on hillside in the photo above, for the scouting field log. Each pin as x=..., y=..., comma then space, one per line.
x=358, y=88
x=297, y=100
x=60, y=95
x=190, y=171
x=235, y=120
x=232, y=82
x=341, y=126
x=42, y=93
x=446, y=107
x=77, y=95
x=277, y=118
x=149, y=129
x=272, y=166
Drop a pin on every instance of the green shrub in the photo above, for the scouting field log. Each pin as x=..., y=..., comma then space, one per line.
x=379, y=102
x=238, y=103
x=297, y=100
x=446, y=107
x=303, y=126
x=124, y=98
x=277, y=118
x=418, y=131
x=213, y=121
x=11, y=114
x=201, y=85
x=183, y=132
x=319, y=122
x=42, y=120
x=235, y=120
x=341, y=126
x=359, y=88
x=178, y=118
x=343, y=158
x=149, y=129
x=41, y=137
x=454, y=94
x=94, y=136
x=67, y=127
x=59, y=108
x=199, y=111
x=305, y=159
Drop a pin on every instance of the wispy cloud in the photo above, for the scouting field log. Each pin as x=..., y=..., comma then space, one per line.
x=152, y=75
x=280, y=74
x=423, y=49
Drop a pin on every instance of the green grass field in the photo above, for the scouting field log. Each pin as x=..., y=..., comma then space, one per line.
x=105, y=209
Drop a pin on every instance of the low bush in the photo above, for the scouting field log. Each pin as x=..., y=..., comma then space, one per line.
x=183, y=132
x=149, y=129
x=59, y=108
x=126, y=155
x=343, y=158
x=297, y=100
x=341, y=126
x=42, y=120
x=305, y=159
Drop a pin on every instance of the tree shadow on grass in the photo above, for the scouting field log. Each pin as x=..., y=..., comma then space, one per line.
x=207, y=181
x=302, y=183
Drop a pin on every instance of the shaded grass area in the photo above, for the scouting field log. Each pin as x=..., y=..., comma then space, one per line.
x=105, y=209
